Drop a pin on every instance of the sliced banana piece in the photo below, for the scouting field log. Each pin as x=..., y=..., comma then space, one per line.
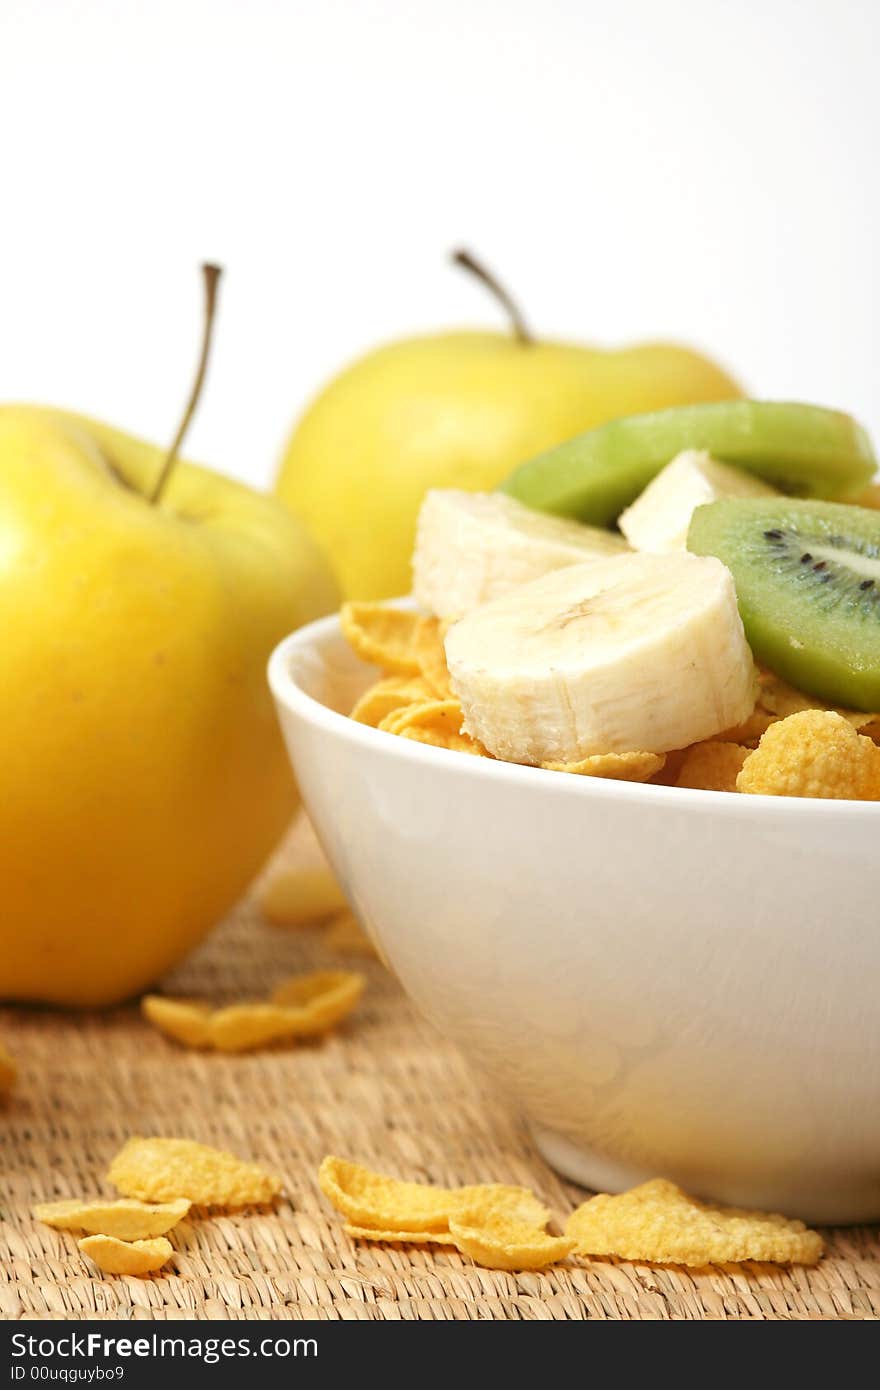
x=659, y=518
x=639, y=652
x=474, y=546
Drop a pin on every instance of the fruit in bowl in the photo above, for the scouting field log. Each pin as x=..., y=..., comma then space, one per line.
x=602, y=849
x=549, y=642
x=144, y=775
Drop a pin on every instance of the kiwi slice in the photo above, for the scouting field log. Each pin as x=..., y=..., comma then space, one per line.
x=802, y=449
x=807, y=578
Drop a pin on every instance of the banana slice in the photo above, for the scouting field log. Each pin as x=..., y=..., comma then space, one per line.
x=659, y=518
x=639, y=652
x=475, y=546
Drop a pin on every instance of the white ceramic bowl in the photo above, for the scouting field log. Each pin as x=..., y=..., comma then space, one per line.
x=665, y=982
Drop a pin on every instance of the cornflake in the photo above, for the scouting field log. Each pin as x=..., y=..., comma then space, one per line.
x=345, y=935
x=163, y=1170
x=243, y=1027
x=750, y=730
x=431, y=655
x=121, y=1257
x=400, y=1237
x=440, y=737
x=782, y=699
x=437, y=722
x=303, y=1006
x=383, y=636
x=442, y=715
x=498, y=1226
x=299, y=897
x=389, y=695
x=658, y=1222
x=319, y=1000
x=497, y=1241
x=815, y=753
x=369, y=1199
x=712, y=766
x=125, y=1219
x=623, y=767
x=187, y=1021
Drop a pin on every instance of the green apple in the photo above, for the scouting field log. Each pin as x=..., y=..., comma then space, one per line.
x=144, y=776
x=458, y=410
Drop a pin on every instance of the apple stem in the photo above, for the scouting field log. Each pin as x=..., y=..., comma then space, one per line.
x=521, y=330
x=211, y=277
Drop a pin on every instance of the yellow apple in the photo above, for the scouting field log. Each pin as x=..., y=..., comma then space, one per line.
x=458, y=410
x=143, y=775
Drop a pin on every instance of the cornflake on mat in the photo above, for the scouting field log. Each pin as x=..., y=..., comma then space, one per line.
x=163, y=1170
x=658, y=1222
x=303, y=1006
x=371, y=1199
x=321, y=999
x=138, y=1258
x=187, y=1021
x=345, y=935
x=498, y=1226
x=301, y=897
x=399, y=1237
x=126, y=1219
x=497, y=1241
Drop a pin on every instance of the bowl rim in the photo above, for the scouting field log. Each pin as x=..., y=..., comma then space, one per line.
x=290, y=695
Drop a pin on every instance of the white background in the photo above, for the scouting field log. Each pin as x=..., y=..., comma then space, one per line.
x=690, y=168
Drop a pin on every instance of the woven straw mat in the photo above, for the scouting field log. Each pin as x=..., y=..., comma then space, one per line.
x=386, y=1091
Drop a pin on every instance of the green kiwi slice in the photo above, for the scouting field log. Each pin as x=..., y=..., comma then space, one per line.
x=807, y=578
x=804, y=450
